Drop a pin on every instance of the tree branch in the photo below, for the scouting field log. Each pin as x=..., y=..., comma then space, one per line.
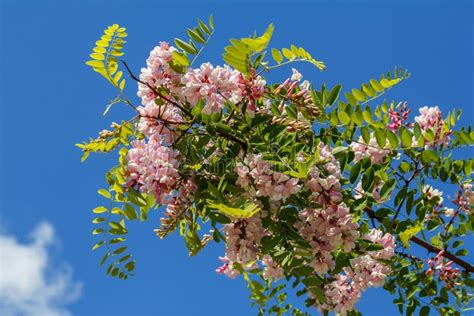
x=160, y=95
x=420, y=242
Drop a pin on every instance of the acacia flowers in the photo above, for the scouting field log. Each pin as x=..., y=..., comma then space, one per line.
x=297, y=181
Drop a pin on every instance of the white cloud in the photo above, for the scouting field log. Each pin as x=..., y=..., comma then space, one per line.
x=30, y=283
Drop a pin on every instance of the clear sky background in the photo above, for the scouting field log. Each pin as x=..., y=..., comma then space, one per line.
x=50, y=100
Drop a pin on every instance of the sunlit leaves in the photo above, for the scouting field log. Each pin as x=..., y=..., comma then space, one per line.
x=105, y=53
x=241, y=51
x=410, y=232
x=293, y=54
x=247, y=210
x=375, y=88
x=198, y=36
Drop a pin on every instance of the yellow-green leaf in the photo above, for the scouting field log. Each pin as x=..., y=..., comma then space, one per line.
x=409, y=233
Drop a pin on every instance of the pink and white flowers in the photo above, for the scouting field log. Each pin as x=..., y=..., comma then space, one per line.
x=153, y=167
x=372, y=150
x=430, y=118
x=326, y=230
x=158, y=74
x=444, y=269
x=266, y=182
x=214, y=85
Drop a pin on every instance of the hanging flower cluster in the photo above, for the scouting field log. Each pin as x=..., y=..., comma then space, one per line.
x=326, y=230
x=443, y=268
x=364, y=272
x=266, y=182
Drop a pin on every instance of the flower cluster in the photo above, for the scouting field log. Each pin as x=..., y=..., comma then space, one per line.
x=430, y=118
x=153, y=168
x=445, y=270
x=242, y=244
x=340, y=296
x=465, y=198
x=326, y=230
x=372, y=150
x=272, y=270
x=214, y=85
x=272, y=184
x=399, y=117
x=364, y=272
x=324, y=178
x=176, y=205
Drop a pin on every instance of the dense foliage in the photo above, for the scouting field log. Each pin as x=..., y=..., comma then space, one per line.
x=309, y=189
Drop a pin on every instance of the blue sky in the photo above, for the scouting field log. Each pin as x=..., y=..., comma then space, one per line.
x=50, y=100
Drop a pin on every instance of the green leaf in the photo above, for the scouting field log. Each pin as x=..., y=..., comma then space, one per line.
x=355, y=171
x=277, y=56
x=99, y=209
x=343, y=117
x=105, y=193
x=334, y=94
x=393, y=139
x=425, y=311
x=364, y=130
x=380, y=137
x=196, y=36
x=368, y=180
x=100, y=243
x=185, y=46
x=247, y=211
x=387, y=188
x=409, y=233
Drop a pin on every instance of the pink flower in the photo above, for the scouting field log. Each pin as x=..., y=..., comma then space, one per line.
x=152, y=119
x=432, y=193
x=445, y=270
x=227, y=268
x=275, y=185
x=243, y=239
x=341, y=296
x=327, y=230
x=213, y=85
x=430, y=118
x=359, y=191
x=387, y=241
x=158, y=74
x=272, y=270
x=399, y=118
x=153, y=167
x=372, y=150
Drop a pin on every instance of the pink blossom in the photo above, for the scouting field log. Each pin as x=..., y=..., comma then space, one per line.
x=372, y=150
x=158, y=73
x=152, y=119
x=243, y=239
x=327, y=230
x=387, y=241
x=275, y=185
x=227, y=268
x=153, y=167
x=430, y=118
x=367, y=272
x=399, y=117
x=272, y=270
x=359, y=191
x=324, y=178
x=341, y=296
x=444, y=268
x=432, y=193
x=214, y=85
